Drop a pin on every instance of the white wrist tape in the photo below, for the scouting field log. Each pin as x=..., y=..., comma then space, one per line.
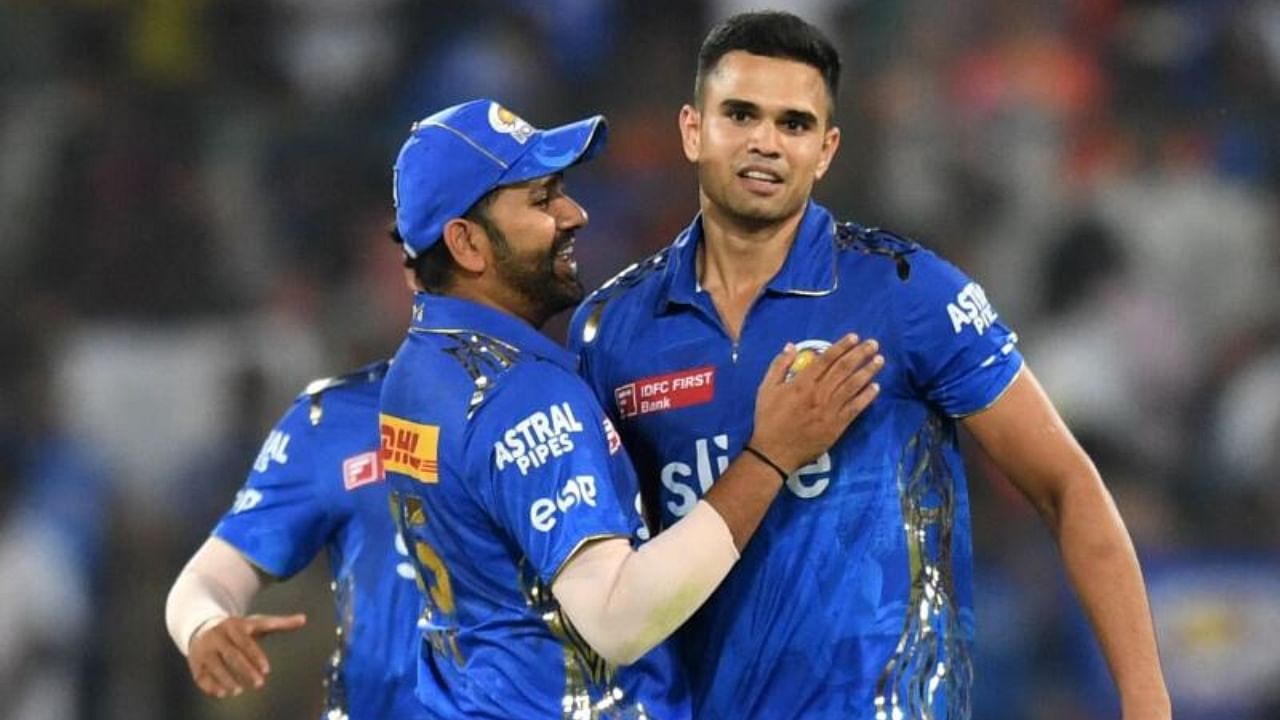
x=218, y=582
x=624, y=602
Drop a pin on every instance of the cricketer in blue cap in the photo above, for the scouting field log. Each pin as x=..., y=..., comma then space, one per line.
x=456, y=156
x=487, y=231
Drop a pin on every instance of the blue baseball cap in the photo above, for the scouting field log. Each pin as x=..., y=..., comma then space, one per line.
x=456, y=156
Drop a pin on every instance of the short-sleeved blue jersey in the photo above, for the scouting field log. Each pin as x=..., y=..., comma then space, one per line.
x=854, y=597
x=503, y=464
x=318, y=484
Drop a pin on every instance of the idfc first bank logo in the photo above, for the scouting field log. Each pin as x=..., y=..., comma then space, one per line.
x=659, y=393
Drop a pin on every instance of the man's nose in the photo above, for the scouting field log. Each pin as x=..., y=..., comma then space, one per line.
x=570, y=215
x=763, y=140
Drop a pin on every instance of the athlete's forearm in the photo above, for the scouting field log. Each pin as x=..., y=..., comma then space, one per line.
x=744, y=493
x=216, y=583
x=1104, y=570
x=624, y=602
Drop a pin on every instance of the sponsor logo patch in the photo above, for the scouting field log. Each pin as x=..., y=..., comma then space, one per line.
x=537, y=438
x=615, y=441
x=246, y=499
x=971, y=308
x=686, y=479
x=672, y=391
x=361, y=469
x=274, y=449
x=579, y=490
x=410, y=448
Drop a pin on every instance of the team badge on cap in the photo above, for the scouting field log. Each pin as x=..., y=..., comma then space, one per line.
x=508, y=123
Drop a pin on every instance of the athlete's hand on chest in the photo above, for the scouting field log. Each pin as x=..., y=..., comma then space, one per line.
x=797, y=420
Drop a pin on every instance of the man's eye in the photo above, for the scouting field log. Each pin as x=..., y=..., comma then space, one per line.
x=739, y=116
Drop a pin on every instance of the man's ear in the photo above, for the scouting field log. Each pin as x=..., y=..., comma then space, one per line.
x=690, y=132
x=467, y=244
x=830, y=144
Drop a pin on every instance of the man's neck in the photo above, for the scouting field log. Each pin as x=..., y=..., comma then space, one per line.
x=736, y=260
x=497, y=299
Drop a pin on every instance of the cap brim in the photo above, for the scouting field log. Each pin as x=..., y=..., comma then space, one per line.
x=554, y=150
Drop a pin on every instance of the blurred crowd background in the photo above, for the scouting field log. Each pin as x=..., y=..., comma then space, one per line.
x=194, y=196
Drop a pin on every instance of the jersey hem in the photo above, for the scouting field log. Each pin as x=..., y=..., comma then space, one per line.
x=578, y=548
x=1012, y=378
x=249, y=557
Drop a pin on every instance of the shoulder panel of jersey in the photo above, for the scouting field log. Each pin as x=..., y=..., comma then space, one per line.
x=876, y=241
x=370, y=374
x=586, y=323
x=484, y=359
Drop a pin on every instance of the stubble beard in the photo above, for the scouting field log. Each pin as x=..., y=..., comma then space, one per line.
x=534, y=280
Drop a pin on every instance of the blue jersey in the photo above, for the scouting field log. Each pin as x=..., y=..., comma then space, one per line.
x=317, y=483
x=503, y=464
x=854, y=596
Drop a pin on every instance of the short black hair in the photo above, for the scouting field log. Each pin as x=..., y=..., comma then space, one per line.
x=434, y=268
x=770, y=33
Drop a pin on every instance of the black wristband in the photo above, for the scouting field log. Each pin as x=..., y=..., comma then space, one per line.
x=765, y=459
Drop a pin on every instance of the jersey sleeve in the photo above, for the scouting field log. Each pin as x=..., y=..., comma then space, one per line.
x=279, y=519
x=554, y=480
x=960, y=355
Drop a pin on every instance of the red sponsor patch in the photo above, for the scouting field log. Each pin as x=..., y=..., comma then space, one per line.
x=361, y=469
x=615, y=442
x=660, y=393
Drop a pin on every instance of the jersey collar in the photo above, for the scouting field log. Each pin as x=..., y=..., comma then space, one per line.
x=441, y=312
x=810, y=267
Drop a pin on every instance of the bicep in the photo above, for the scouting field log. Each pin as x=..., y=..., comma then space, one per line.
x=1028, y=441
x=584, y=580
